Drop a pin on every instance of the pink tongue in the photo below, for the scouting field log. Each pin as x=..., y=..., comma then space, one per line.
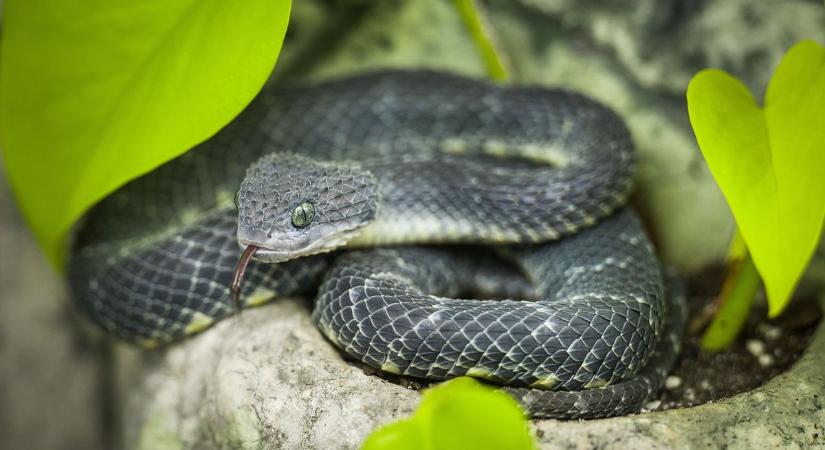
x=246, y=256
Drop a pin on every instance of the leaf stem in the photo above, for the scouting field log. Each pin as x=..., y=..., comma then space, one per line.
x=738, y=250
x=735, y=301
x=479, y=31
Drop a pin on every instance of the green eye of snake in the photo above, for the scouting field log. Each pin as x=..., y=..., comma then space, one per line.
x=303, y=214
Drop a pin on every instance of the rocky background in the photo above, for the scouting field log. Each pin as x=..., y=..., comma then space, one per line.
x=268, y=379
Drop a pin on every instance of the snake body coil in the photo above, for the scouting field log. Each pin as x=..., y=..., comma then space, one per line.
x=396, y=158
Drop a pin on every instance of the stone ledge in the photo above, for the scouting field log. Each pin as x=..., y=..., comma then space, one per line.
x=268, y=379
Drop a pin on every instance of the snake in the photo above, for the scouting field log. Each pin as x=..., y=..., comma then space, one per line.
x=447, y=226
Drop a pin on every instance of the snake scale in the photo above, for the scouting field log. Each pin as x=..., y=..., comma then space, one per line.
x=372, y=161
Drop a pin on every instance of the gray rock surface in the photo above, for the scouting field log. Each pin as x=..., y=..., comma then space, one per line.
x=51, y=383
x=638, y=57
x=268, y=379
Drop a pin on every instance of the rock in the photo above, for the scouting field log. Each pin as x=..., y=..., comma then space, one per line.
x=755, y=347
x=268, y=379
x=407, y=34
x=637, y=57
x=51, y=383
x=770, y=332
x=660, y=44
x=672, y=382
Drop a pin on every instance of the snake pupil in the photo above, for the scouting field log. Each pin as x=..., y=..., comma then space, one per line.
x=303, y=214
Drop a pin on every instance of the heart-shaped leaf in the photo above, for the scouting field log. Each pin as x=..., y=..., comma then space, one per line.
x=458, y=414
x=96, y=92
x=769, y=162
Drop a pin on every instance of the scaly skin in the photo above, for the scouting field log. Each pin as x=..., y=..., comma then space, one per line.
x=401, y=158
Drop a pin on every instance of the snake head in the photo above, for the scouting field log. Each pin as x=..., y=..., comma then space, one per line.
x=291, y=206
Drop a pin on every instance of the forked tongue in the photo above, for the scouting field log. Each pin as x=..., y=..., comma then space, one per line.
x=246, y=256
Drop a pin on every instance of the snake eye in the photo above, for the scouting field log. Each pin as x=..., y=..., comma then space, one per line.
x=303, y=214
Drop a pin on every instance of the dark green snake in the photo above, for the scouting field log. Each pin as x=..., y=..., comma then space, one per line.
x=539, y=176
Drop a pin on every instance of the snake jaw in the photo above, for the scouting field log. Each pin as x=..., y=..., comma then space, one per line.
x=235, y=289
x=282, y=251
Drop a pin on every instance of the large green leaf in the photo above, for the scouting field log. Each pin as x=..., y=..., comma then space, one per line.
x=770, y=161
x=458, y=414
x=94, y=93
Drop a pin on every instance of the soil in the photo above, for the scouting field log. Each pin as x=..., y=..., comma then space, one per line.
x=762, y=351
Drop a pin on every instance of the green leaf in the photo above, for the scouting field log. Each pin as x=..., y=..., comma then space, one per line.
x=459, y=414
x=94, y=93
x=769, y=162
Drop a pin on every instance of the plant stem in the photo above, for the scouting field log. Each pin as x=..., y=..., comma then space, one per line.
x=735, y=301
x=737, y=251
x=493, y=62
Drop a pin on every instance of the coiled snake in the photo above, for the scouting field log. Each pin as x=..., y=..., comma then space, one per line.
x=394, y=158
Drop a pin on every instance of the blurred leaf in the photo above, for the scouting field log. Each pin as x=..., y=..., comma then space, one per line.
x=769, y=162
x=458, y=414
x=94, y=93
x=401, y=435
